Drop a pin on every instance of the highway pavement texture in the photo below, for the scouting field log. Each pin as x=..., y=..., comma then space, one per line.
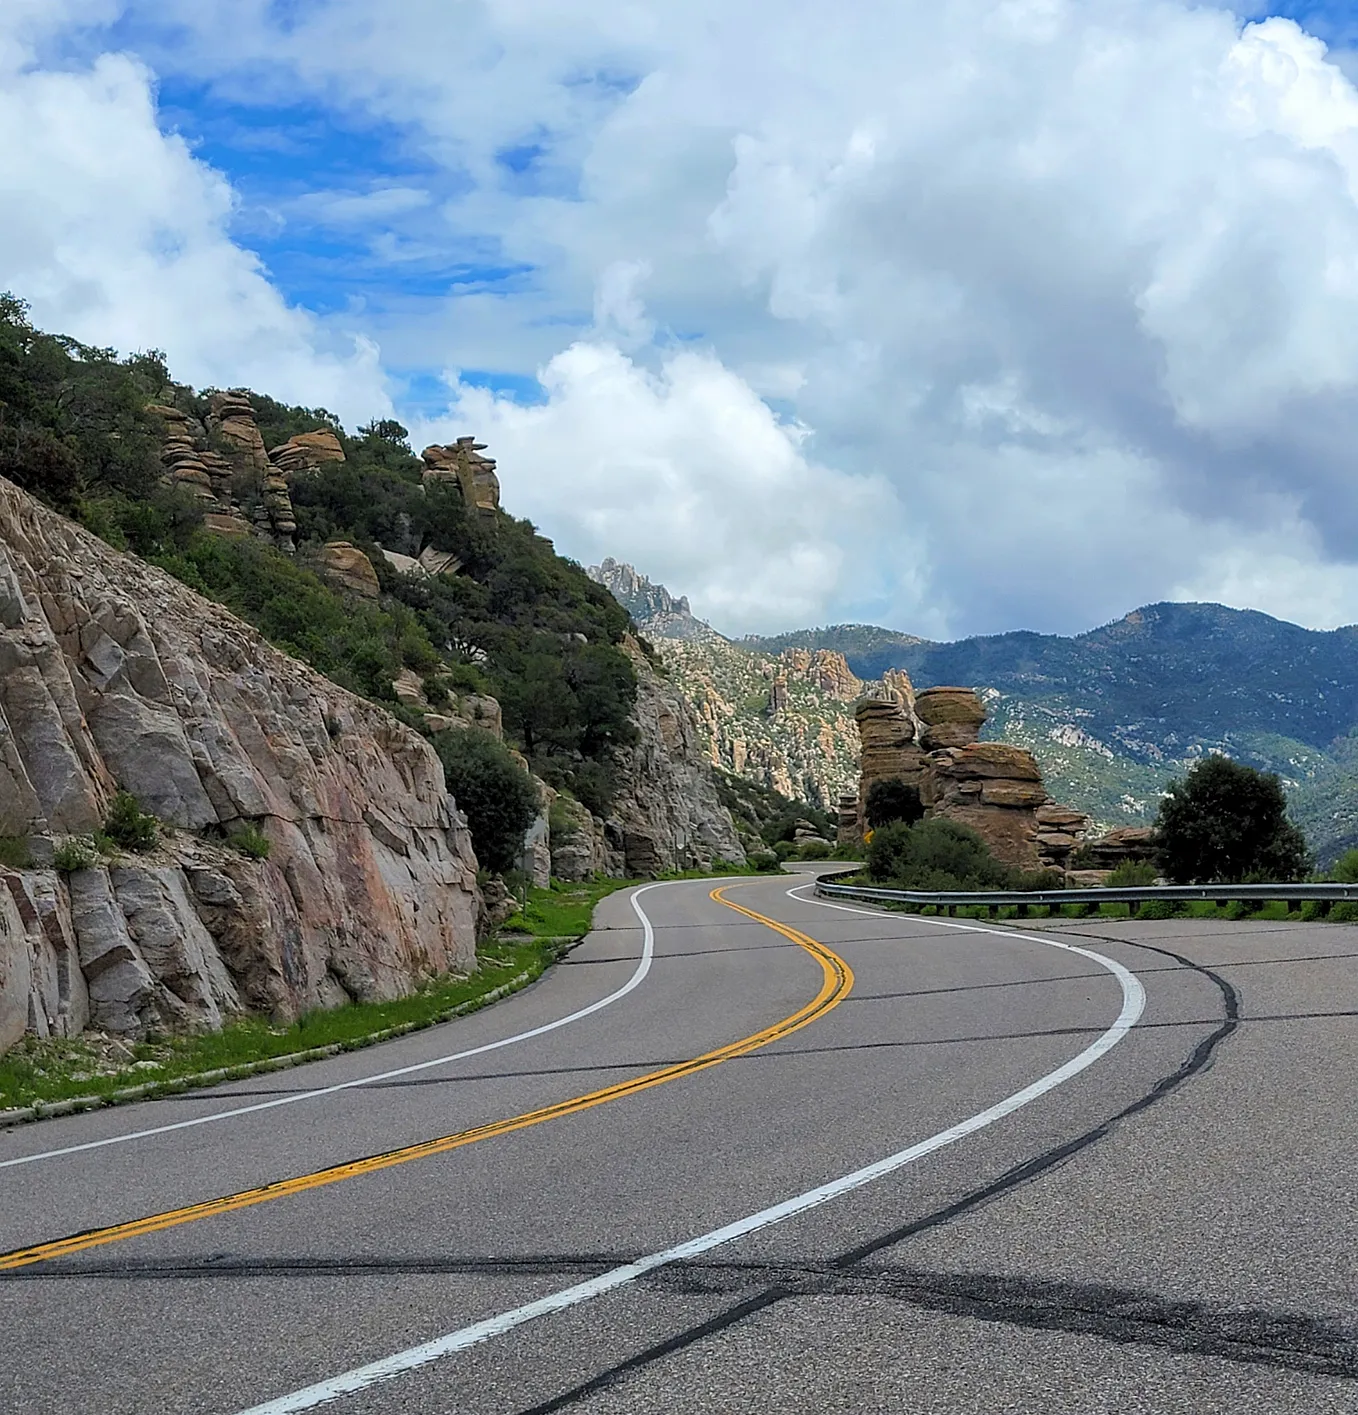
x=1123, y=1178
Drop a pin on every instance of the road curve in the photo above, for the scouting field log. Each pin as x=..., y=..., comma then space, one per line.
x=831, y=1159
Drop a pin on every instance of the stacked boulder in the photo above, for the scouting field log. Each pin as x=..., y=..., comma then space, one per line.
x=202, y=473
x=241, y=466
x=462, y=462
x=931, y=740
x=888, y=747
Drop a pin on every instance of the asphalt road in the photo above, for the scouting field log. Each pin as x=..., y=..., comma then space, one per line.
x=1077, y=1216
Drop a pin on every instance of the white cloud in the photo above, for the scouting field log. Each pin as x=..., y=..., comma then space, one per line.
x=683, y=470
x=1069, y=286
x=117, y=235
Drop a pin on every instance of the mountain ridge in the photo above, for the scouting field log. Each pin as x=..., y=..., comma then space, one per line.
x=1115, y=713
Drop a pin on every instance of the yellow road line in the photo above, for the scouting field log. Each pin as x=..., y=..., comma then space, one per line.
x=836, y=981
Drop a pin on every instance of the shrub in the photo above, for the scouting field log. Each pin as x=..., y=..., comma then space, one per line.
x=1158, y=909
x=75, y=853
x=764, y=860
x=250, y=840
x=934, y=854
x=1225, y=821
x=1345, y=869
x=1239, y=909
x=784, y=849
x=14, y=852
x=128, y=826
x=1313, y=910
x=892, y=800
x=492, y=790
x=815, y=850
x=1345, y=911
x=1133, y=874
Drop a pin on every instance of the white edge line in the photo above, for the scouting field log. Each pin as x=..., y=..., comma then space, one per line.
x=362, y=1377
x=643, y=967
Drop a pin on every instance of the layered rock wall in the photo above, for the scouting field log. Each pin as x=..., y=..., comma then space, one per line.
x=114, y=675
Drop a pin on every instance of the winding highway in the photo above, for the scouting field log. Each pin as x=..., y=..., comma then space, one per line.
x=743, y=1150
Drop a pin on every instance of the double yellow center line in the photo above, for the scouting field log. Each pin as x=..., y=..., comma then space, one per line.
x=837, y=979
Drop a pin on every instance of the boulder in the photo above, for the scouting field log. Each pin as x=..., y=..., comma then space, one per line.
x=952, y=717
x=350, y=568
x=307, y=452
x=888, y=746
x=1128, y=842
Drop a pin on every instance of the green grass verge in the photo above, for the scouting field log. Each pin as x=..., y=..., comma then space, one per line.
x=58, y=1068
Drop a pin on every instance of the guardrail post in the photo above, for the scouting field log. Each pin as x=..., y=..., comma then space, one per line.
x=1294, y=905
x=1022, y=911
x=994, y=911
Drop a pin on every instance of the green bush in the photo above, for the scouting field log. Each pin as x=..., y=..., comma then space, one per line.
x=1344, y=912
x=1158, y=909
x=814, y=850
x=250, y=840
x=1133, y=874
x=1240, y=909
x=784, y=849
x=1345, y=869
x=891, y=799
x=75, y=853
x=764, y=860
x=1313, y=910
x=492, y=790
x=128, y=826
x=1226, y=822
x=14, y=852
x=934, y=854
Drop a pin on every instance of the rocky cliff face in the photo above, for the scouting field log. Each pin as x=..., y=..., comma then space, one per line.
x=666, y=814
x=654, y=610
x=113, y=675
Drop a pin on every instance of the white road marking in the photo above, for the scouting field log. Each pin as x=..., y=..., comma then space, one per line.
x=643, y=967
x=363, y=1377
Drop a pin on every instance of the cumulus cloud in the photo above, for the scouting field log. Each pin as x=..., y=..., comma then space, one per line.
x=1066, y=289
x=116, y=234
x=685, y=471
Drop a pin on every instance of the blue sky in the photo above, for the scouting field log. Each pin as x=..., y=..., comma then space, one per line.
x=874, y=313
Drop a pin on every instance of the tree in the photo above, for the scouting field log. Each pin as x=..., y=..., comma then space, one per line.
x=492, y=790
x=892, y=799
x=1225, y=823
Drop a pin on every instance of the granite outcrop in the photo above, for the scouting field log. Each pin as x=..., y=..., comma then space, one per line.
x=115, y=676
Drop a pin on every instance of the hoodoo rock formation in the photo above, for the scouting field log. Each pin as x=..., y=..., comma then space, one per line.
x=931, y=740
x=462, y=462
x=114, y=675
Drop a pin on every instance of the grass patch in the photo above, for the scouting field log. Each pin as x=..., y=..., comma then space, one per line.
x=61, y=1069
x=14, y=852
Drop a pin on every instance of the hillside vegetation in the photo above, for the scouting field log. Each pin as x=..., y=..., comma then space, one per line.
x=517, y=620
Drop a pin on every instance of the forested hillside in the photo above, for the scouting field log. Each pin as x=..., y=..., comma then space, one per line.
x=78, y=428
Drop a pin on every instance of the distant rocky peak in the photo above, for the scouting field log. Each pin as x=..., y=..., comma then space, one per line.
x=656, y=612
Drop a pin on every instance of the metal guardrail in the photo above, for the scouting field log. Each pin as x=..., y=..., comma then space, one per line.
x=1295, y=895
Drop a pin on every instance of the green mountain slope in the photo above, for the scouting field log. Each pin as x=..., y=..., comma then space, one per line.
x=1116, y=713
